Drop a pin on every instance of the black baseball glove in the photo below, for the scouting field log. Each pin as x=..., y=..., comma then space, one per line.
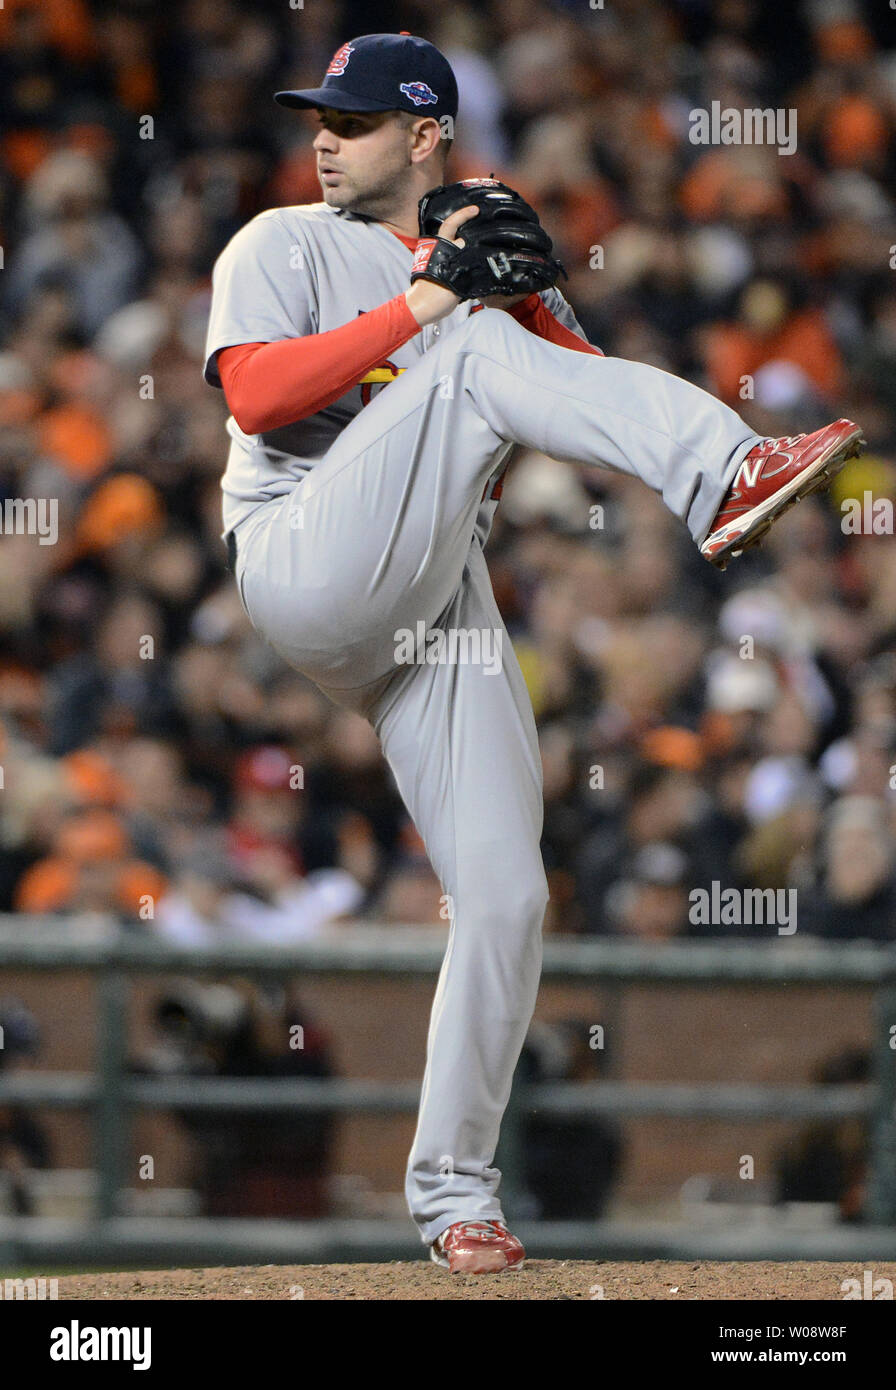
x=506, y=250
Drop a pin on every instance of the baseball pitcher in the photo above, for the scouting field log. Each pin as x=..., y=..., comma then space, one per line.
x=382, y=352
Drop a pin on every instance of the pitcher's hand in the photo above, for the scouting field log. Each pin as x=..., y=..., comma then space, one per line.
x=427, y=301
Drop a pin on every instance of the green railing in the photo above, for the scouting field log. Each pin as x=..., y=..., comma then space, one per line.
x=116, y=956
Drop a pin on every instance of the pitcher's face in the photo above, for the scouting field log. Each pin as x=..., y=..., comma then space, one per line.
x=363, y=159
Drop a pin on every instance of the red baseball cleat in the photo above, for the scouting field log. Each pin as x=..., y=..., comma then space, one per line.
x=774, y=475
x=477, y=1247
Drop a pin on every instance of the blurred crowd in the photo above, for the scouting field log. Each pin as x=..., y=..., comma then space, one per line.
x=158, y=760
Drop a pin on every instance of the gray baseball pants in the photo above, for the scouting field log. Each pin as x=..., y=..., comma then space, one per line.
x=380, y=536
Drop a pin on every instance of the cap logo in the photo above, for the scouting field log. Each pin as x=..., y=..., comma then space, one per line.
x=339, y=60
x=419, y=93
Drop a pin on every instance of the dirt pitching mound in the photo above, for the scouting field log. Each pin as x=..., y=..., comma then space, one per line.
x=538, y=1279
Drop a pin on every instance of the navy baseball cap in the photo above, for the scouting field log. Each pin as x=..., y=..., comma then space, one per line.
x=384, y=72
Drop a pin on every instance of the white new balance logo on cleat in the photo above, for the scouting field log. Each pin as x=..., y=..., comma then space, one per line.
x=751, y=469
x=748, y=473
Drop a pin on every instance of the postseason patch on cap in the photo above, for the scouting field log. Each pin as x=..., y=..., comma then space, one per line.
x=339, y=60
x=419, y=93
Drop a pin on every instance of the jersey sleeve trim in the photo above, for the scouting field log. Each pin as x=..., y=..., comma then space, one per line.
x=535, y=316
x=269, y=385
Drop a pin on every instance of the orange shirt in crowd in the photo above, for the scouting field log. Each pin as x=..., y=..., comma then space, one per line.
x=734, y=351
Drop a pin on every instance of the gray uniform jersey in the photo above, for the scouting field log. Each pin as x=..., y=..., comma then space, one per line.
x=295, y=271
x=358, y=555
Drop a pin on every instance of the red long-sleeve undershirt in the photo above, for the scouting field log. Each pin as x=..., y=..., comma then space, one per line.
x=268, y=385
